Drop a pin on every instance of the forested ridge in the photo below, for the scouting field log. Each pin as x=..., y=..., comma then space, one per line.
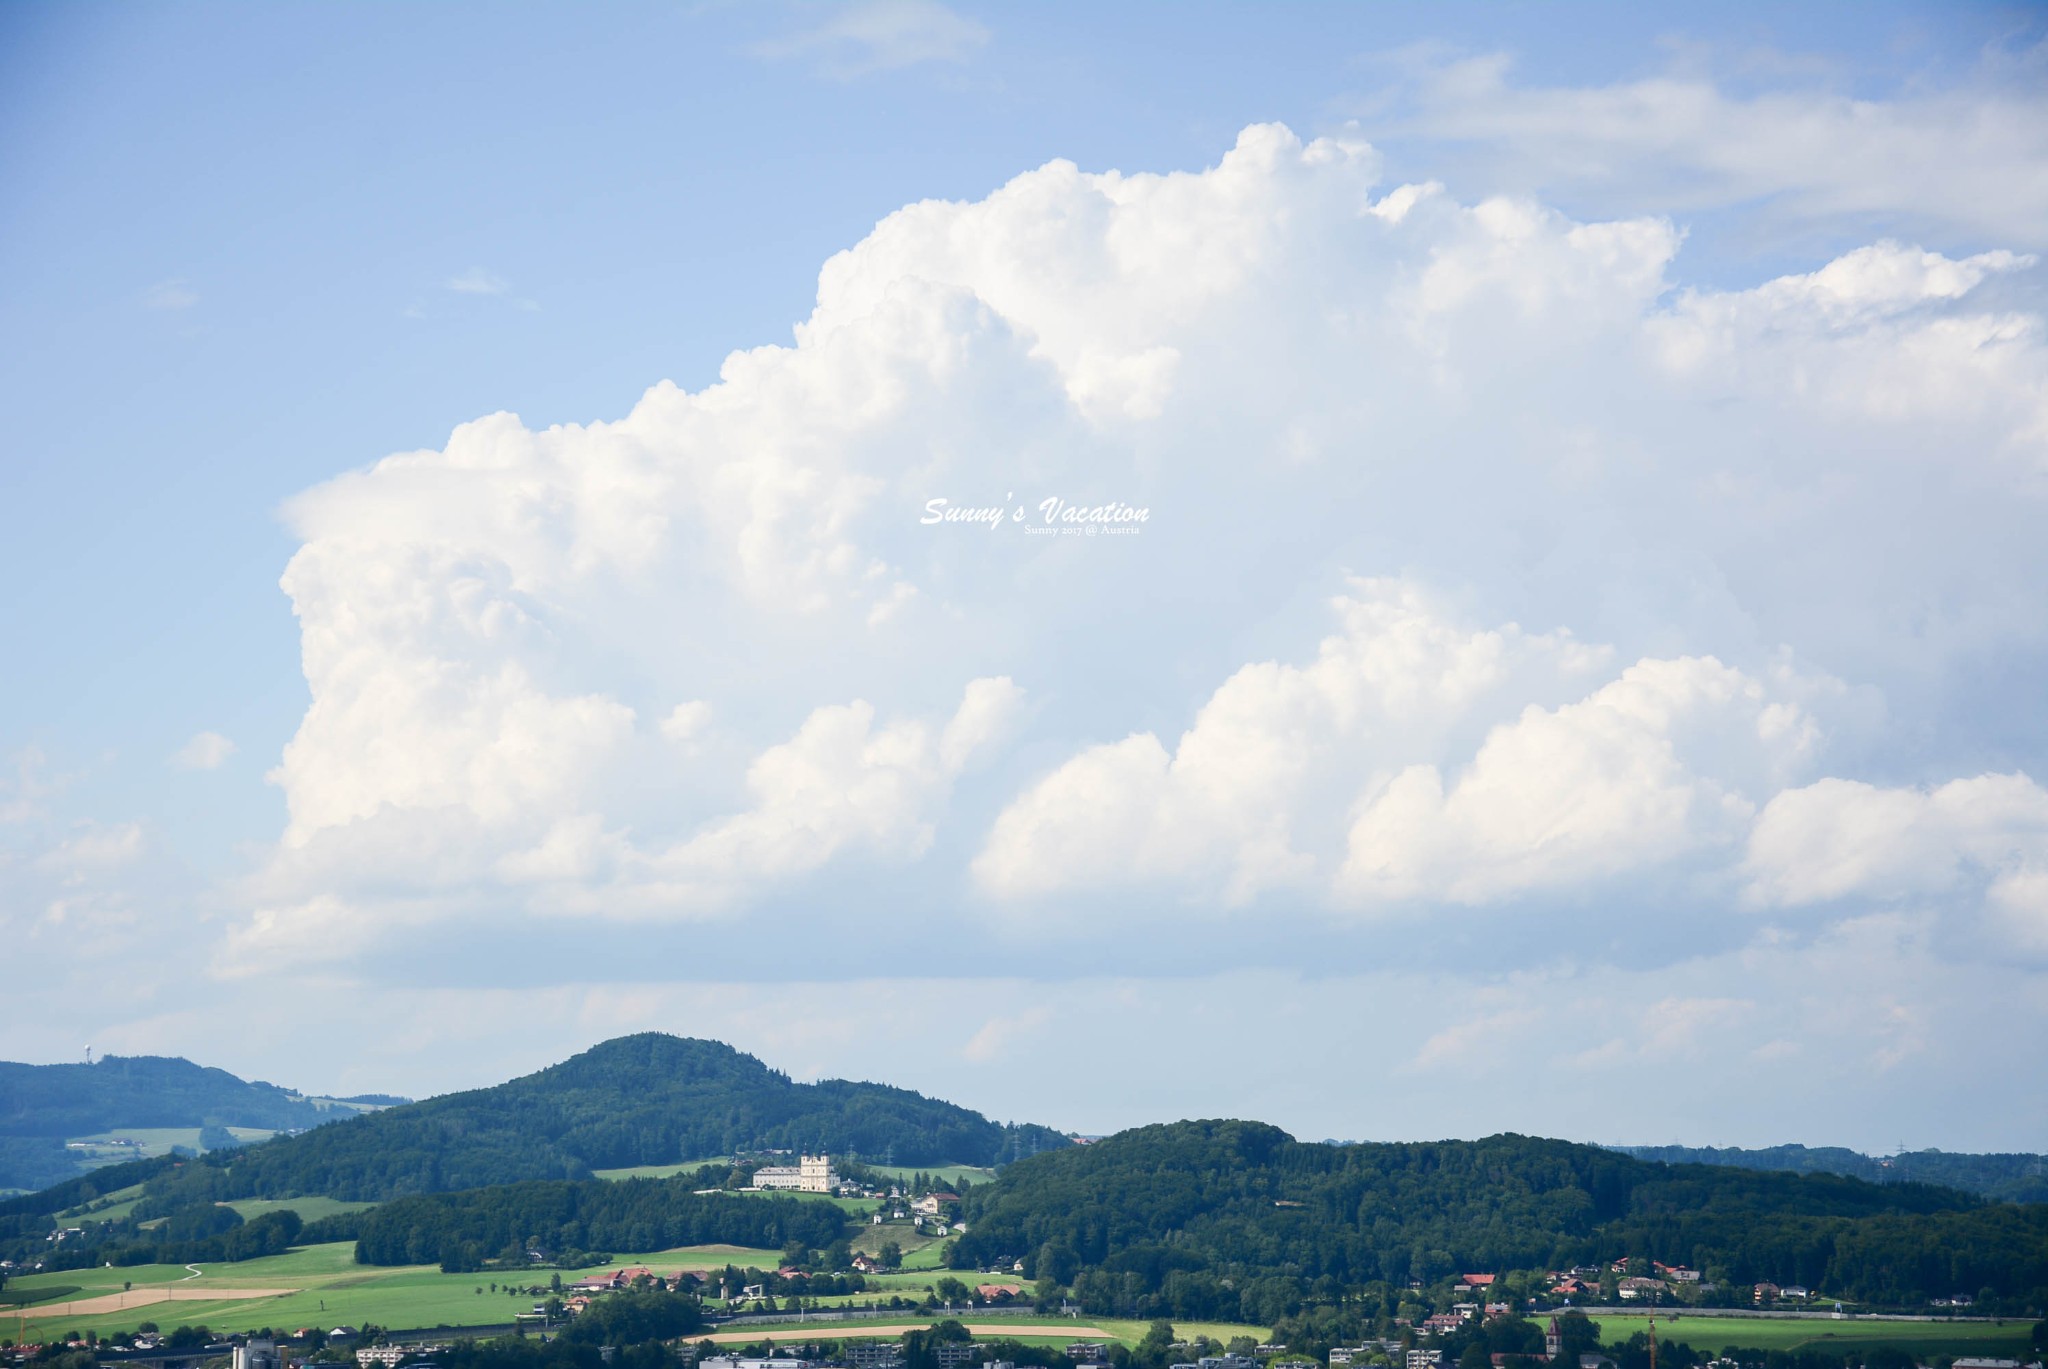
x=638, y=1100
x=1237, y=1220
x=461, y=1230
x=2011, y=1177
x=42, y=1105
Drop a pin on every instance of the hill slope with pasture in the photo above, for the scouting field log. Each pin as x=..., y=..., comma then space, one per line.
x=649, y=1099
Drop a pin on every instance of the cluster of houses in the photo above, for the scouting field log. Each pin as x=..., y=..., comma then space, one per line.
x=888, y=1354
x=934, y=1211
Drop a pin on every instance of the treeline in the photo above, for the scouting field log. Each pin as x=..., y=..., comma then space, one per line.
x=462, y=1230
x=1238, y=1221
x=2012, y=1178
x=647, y=1099
x=190, y=1236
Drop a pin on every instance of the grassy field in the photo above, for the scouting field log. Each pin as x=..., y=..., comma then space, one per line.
x=1029, y=1329
x=1923, y=1338
x=945, y=1174
x=1131, y=1332
x=309, y=1209
x=118, y=1204
x=329, y=1288
x=662, y=1171
x=154, y=1141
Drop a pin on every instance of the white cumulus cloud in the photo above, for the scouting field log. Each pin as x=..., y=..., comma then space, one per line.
x=206, y=751
x=1375, y=427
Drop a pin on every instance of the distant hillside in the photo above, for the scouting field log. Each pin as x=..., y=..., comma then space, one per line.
x=1237, y=1221
x=2016, y=1178
x=43, y=1106
x=638, y=1100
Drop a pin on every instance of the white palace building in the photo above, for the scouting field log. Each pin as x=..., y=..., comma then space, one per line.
x=811, y=1174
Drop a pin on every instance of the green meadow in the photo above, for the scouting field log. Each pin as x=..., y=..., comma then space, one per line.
x=309, y=1209
x=153, y=1141
x=1029, y=1329
x=1998, y=1340
x=331, y=1289
x=945, y=1174
x=661, y=1171
x=1131, y=1332
x=108, y=1207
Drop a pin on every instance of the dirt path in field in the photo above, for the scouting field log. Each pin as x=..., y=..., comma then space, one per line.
x=144, y=1297
x=855, y=1330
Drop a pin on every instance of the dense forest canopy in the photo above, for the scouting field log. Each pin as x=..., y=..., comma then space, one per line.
x=638, y=1100
x=2013, y=1178
x=461, y=1230
x=1237, y=1220
x=143, y=1091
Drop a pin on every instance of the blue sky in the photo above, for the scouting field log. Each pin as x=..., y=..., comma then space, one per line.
x=257, y=248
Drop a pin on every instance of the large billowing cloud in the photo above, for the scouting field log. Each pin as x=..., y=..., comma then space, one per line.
x=1484, y=561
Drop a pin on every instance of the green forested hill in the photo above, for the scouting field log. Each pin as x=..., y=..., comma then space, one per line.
x=2013, y=1178
x=638, y=1100
x=42, y=1105
x=1238, y=1221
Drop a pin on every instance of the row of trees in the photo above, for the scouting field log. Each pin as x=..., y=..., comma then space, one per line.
x=189, y=1236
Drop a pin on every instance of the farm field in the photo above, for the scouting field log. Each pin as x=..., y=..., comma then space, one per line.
x=1992, y=1339
x=945, y=1174
x=1033, y=1330
x=661, y=1171
x=871, y=1239
x=1131, y=1332
x=309, y=1209
x=154, y=1141
x=318, y=1285
x=117, y=1205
